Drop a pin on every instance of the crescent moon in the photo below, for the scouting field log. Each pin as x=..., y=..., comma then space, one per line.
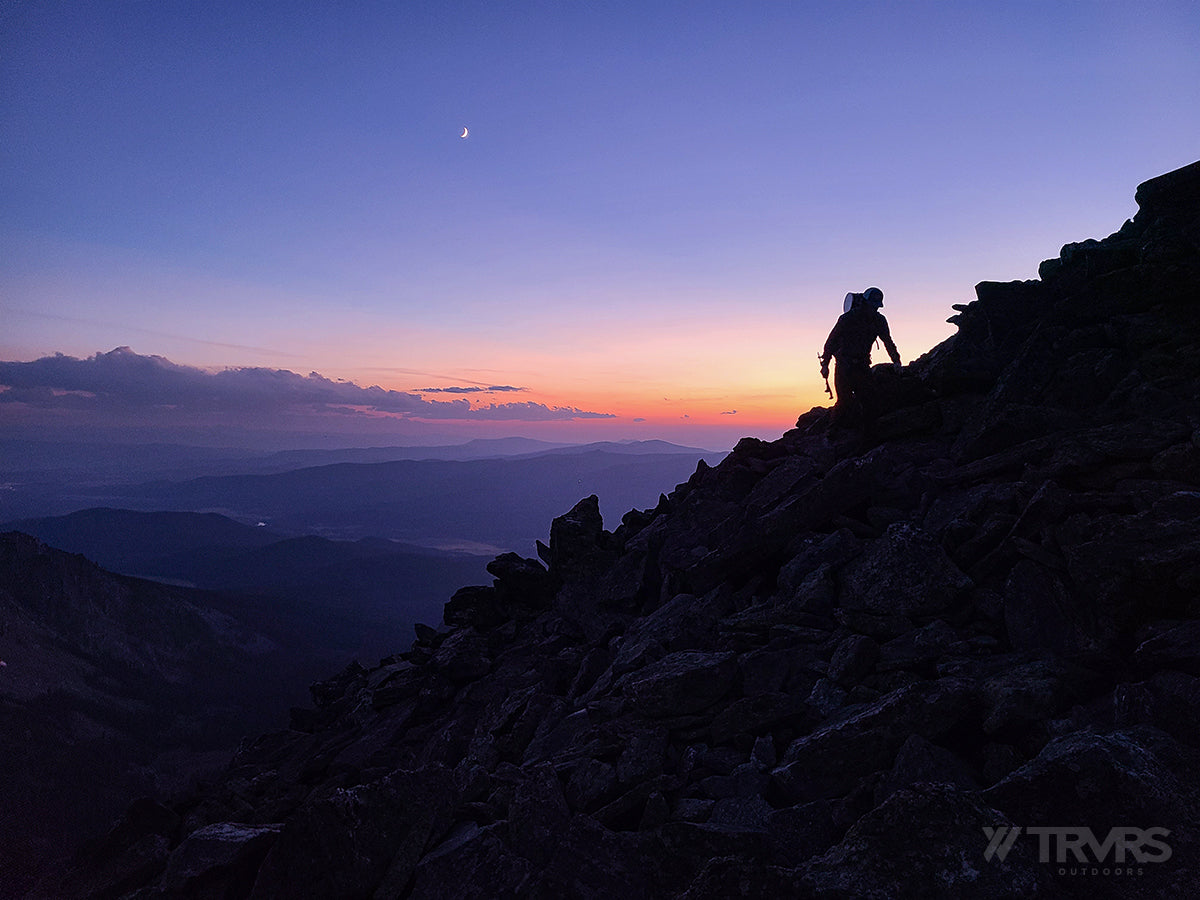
x=465, y=132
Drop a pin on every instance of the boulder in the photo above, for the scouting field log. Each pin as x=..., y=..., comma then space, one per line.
x=577, y=541
x=853, y=660
x=1039, y=614
x=359, y=841
x=477, y=606
x=594, y=863
x=1121, y=780
x=905, y=573
x=1177, y=648
x=684, y=682
x=1101, y=780
x=801, y=832
x=218, y=860
x=685, y=622
x=591, y=784
x=764, y=671
x=597, y=588
x=688, y=846
x=730, y=876
x=927, y=841
x=1167, y=700
x=463, y=656
x=537, y=815
x=919, y=761
x=522, y=585
x=1024, y=694
x=471, y=862
x=643, y=755
x=833, y=759
x=751, y=812
x=827, y=697
x=918, y=649
x=759, y=715
x=1180, y=462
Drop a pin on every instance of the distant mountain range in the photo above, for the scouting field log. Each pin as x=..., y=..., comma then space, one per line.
x=503, y=503
x=136, y=462
x=487, y=504
x=38, y=480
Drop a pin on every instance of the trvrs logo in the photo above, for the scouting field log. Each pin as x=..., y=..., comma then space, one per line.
x=1121, y=845
x=1000, y=841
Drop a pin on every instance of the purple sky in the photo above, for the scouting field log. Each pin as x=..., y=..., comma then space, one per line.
x=647, y=232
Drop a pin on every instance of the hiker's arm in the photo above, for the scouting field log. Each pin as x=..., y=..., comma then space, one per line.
x=831, y=344
x=886, y=335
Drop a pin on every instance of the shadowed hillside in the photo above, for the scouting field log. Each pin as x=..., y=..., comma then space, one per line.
x=819, y=669
x=112, y=687
x=370, y=591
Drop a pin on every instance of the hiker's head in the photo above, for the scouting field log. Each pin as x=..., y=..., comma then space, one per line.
x=874, y=297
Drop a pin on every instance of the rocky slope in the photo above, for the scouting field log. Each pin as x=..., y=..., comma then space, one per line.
x=819, y=669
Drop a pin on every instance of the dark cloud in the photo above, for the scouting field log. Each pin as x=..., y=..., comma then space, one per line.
x=124, y=382
x=729, y=412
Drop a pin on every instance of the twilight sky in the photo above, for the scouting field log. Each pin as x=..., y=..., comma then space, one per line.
x=647, y=232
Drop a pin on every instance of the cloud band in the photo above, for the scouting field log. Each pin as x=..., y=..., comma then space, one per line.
x=124, y=382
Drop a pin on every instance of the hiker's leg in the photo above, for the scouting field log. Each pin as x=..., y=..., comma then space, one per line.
x=854, y=378
x=843, y=386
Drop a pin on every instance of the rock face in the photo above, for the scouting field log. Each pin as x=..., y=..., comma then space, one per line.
x=819, y=669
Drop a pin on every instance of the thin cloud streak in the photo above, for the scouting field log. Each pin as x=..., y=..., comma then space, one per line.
x=477, y=389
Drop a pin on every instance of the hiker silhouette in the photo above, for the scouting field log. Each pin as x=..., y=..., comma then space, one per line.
x=849, y=343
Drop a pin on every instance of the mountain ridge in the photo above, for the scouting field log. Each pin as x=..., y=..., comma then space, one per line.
x=532, y=492
x=826, y=667
x=503, y=502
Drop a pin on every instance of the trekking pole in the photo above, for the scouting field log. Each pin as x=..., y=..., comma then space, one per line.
x=828, y=390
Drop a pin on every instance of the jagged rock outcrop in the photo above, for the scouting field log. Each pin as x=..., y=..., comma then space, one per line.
x=819, y=669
